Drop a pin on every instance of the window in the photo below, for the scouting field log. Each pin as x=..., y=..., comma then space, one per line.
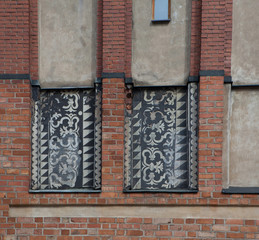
x=66, y=141
x=161, y=140
x=161, y=10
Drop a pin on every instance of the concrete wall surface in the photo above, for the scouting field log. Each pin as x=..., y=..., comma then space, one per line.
x=241, y=135
x=67, y=42
x=245, y=47
x=161, y=51
x=229, y=212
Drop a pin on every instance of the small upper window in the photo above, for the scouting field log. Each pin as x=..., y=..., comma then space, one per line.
x=161, y=10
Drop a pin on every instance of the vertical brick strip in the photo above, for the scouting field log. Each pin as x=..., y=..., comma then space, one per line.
x=114, y=36
x=99, y=46
x=113, y=135
x=210, y=133
x=211, y=98
x=14, y=144
x=14, y=107
x=34, y=39
x=14, y=37
x=114, y=39
x=128, y=36
x=15, y=134
x=195, y=38
x=212, y=35
x=228, y=37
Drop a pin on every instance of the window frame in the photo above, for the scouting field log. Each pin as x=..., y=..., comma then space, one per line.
x=161, y=20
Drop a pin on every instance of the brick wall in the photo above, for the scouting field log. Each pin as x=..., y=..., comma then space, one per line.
x=210, y=50
x=14, y=36
x=195, y=38
x=211, y=135
x=99, y=47
x=228, y=36
x=114, y=29
x=213, y=34
x=131, y=228
x=33, y=30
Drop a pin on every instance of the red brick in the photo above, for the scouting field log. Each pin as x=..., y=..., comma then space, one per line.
x=249, y=229
x=37, y=238
x=107, y=232
x=134, y=233
x=235, y=235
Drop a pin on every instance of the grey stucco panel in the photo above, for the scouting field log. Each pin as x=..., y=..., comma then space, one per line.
x=160, y=214
x=226, y=135
x=241, y=152
x=245, y=47
x=67, y=42
x=161, y=51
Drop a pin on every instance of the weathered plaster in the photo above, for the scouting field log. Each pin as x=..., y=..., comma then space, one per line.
x=137, y=211
x=241, y=134
x=67, y=42
x=245, y=47
x=226, y=135
x=161, y=51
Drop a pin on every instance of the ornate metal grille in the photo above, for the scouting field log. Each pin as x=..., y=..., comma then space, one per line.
x=161, y=139
x=66, y=140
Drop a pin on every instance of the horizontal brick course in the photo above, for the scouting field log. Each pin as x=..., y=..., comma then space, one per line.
x=199, y=228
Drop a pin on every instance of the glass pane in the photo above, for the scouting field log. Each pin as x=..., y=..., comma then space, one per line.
x=161, y=9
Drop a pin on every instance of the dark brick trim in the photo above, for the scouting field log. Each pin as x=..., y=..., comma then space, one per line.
x=15, y=76
x=241, y=190
x=212, y=73
x=193, y=79
x=228, y=79
x=35, y=93
x=35, y=83
x=113, y=75
x=98, y=80
x=129, y=80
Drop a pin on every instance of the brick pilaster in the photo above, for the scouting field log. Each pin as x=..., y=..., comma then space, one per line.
x=210, y=133
x=212, y=34
x=114, y=18
x=113, y=136
x=14, y=37
x=211, y=96
x=34, y=39
x=99, y=52
x=228, y=36
x=195, y=38
x=114, y=61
